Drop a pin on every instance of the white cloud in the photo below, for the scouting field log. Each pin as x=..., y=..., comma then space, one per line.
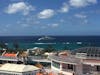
x=62, y=20
x=22, y=7
x=81, y=19
x=85, y=21
x=55, y=25
x=15, y=0
x=47, y=13
x=82, y=16
x=82, y=3
x=64, y=8
x=24, y=25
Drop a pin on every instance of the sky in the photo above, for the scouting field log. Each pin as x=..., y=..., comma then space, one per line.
x=49, y=17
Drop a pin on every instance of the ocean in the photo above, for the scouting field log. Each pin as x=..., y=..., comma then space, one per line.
x=59, y=43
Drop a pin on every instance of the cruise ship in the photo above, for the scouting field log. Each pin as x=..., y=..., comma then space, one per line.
x=46, y=38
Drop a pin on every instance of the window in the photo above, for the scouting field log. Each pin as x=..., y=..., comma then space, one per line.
x=56, y=64
x=98, y=68
x=70, y=66
x=64, y=66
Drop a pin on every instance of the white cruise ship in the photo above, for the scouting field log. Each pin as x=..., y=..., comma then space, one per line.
x=46, y=38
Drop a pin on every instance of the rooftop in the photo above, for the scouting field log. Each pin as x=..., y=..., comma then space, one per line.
x=65, y=59
x=10, y=55
x=90, y=51
x=17, y=68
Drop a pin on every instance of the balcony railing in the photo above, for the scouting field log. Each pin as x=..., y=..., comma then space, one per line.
x=68, y=70
x=68, y=59
x=37, y=57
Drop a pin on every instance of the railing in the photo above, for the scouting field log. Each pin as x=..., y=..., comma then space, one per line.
x=68, y=70
x=86, y=57
x=8, y=58
x=65, y=59
x=37, y=57
x=98, y=58
x=11, y=58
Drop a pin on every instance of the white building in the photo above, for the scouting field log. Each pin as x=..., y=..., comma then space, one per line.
x=83, y=61
x=18, y=69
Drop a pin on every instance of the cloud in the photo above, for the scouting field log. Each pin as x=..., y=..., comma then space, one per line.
x=81, y=16
x=47, y=13
x=25, y=25
x=85, y=21
x=82, y=3
x=62, y=20
x=22, y=7
x=15, y=0
x=81, y=19
x=55, y=25
x=64, y=8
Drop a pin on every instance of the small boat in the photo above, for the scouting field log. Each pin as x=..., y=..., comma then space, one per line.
x=46, y=38
x=67, y=43
x=79, y=42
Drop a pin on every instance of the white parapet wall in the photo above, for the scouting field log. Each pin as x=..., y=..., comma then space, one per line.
x=56, y=71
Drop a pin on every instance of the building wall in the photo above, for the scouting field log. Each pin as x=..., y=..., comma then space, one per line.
x=78, y=69
x=57, y=70
x=13, y=73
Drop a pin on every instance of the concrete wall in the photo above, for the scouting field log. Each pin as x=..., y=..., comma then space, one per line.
x=78, y=69
x=56, y=71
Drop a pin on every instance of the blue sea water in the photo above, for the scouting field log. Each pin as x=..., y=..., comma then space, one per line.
x=59, y=43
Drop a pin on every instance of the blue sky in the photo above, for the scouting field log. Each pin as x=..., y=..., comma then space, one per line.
x=49, y=17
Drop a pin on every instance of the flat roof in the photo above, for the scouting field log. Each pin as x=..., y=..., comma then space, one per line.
x=17, y=68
